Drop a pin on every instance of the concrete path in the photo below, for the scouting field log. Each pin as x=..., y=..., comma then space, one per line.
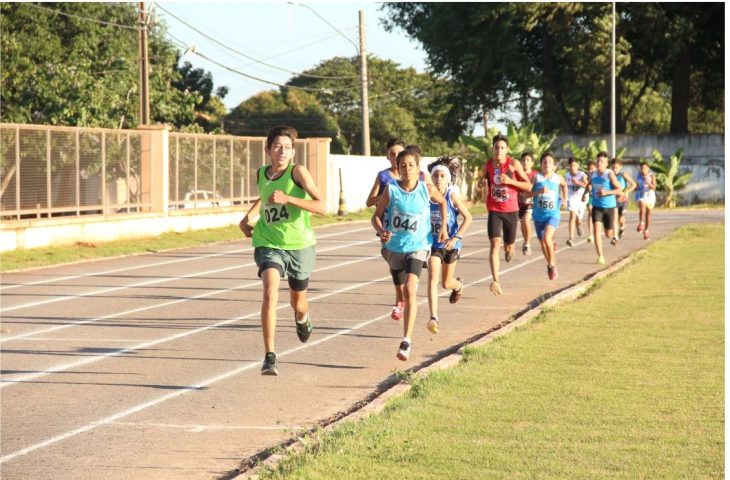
x=148, y=366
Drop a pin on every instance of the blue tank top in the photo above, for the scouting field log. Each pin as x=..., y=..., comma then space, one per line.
x=385, y=179
x=452, y=225
x=409, y=219
x=546, y=205
x=642, y=188
x=602, y=182
x=621, y=179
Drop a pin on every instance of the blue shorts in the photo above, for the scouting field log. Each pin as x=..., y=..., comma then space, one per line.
x=541, y=225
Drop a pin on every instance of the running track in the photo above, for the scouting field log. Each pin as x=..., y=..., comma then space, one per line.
x=148, y=366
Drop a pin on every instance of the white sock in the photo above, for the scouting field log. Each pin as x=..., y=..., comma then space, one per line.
x=406, y=339
x=304, y=318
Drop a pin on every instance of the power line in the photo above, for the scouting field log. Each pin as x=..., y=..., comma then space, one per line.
x=231, y=69
x=250, y=57
x=56, y=12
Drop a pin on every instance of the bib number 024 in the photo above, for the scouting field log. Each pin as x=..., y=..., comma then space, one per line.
x=275, y=214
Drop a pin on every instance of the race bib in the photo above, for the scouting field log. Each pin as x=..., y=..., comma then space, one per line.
x=400, y=220
x=546, y=201
x=275, y=213
x=498, y=192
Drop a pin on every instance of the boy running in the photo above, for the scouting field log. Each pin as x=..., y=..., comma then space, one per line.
x=577, y=181
x=525, y=204
x=646, y=196
x=504, y=177
x=590, y=168
x=407, y=239
x=443, y=171
x=622, y=201
x=549, y=189
x=603, y=188
x=283, y=237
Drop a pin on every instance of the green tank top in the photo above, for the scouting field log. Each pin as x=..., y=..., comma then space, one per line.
x=285, y=227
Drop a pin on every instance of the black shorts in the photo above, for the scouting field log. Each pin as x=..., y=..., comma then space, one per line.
x=502, y=224
x=446, y=256
x=605, y=215
x=621, y=206
x=524, y=208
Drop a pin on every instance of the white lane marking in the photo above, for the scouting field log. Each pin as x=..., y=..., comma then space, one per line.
x=203, y=428
x=166, y=262
x=236, y=371
x=150, y=282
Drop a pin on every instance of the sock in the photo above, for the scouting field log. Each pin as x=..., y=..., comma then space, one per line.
x=304, y=318
x=406, y=339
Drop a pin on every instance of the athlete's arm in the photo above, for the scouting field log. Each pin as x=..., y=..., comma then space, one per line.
x=530, y=193
x=564, y=192
x=245, y=223
x=483, y=180
x=373, y=197
x=519, y=180
x=377, y=219
x=631, y=184
x=614, y=183
x=301, y=175
x=464, y=210
x=436, y=197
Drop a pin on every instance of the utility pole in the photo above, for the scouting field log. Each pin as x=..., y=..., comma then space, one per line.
x=144, y=92
x=613, y=79
x=364, y=80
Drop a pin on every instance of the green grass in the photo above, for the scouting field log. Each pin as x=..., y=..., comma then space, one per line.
x=626, y=382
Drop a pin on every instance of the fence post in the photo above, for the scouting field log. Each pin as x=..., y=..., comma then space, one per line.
x=155, y=177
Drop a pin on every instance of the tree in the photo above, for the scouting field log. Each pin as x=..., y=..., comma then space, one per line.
x=63, y=66
x=668, y=178
x=403, y=103
x=256, y=115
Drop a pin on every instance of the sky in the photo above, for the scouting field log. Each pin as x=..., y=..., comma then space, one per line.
x=287, y=36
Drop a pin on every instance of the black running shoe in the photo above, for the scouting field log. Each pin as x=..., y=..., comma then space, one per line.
x=404, y=351
x=304, y=329
x=269, y=366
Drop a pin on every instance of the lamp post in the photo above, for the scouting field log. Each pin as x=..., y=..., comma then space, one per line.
x=613, y=79
x=144, y=91
x=363, y=71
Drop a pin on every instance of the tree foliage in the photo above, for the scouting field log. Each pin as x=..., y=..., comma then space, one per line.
x=551, y=62
x=668, y=178
x=61, y=65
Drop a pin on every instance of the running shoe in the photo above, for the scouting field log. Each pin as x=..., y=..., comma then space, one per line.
x=525, y=249
x=456, y=293
x=601, y=260
x=646, y=234
x=495, y=288
x=508, y=256
x=621, y=232
x=397, y=313
x=269, y=366
x=589, y=239
x=570, y=243
x=614, y=241
x=640, y=227
x=552, y=271
x=579, y=231
x=433, y=324
x=304, y=329
x=404, y=351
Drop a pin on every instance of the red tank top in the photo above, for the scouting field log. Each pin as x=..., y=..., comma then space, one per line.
x=501, y=198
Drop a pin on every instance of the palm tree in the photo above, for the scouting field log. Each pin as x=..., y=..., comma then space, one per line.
x=667, y=176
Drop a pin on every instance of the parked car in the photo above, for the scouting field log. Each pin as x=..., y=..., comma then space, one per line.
x=204, y=199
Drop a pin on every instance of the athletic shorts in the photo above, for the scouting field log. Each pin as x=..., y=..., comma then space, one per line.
x=504, y=225
x=411, y=262
x=649, y=200
x=446, y=256
x=605, y=215
x=524, y=208
x=540, y=226
x=296, y=265
x=621, y=206
x=576, y=205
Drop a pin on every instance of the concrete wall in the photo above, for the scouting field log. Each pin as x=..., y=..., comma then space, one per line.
x=704, y=156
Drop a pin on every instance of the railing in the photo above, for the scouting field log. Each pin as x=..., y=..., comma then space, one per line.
x=50, y=171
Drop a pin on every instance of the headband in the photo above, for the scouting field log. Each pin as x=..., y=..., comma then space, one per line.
x=443, y=168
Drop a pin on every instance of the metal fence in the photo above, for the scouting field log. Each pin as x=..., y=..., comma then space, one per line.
x=54, y=171
x=220, y=170
x=66, y=171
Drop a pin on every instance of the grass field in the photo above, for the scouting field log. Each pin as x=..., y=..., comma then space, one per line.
x=626, y=382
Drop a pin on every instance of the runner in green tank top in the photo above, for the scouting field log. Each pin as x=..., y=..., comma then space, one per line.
x=283, y=237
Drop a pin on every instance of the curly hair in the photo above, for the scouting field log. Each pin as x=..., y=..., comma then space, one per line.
x=452, y=163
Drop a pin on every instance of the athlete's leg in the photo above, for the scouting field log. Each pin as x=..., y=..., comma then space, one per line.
x=448, y=281
x=548, y=240
x=409, y=316
x=434, y=272
x=494, y=244
x=271, y=278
